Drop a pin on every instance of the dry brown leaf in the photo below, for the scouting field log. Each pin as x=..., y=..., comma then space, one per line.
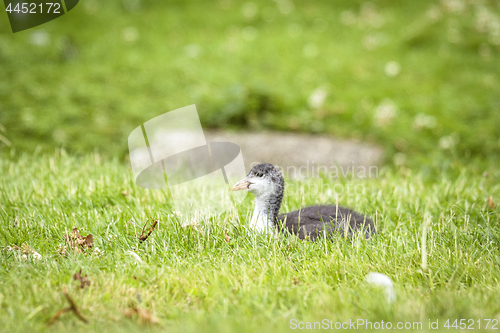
x=84, y=280
x=491, y=203
x=78, y=242
x=145, y=317
x=227, y=238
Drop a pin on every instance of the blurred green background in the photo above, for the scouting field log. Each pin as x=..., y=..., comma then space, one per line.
x=418, y=77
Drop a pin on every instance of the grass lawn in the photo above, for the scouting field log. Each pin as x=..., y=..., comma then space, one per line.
x=419, y=78
x=438, y=241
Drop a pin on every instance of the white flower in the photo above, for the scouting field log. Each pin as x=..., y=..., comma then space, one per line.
x=448, y=141
x=317, y=98
x=422, y=121
x=97, y=251
x=392, y=68
x=385, y=112
x=434, y=13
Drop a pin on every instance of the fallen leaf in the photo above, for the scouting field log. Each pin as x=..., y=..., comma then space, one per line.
x=227, y=238
x=491, y=203
x=84, y=280
x=78, y=242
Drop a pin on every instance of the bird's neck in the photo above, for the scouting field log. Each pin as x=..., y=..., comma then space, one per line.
x=265, y=213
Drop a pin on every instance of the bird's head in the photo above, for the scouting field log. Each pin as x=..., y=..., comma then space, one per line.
x=263, y=180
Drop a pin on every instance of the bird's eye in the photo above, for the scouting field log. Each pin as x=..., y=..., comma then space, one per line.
x=259, y=174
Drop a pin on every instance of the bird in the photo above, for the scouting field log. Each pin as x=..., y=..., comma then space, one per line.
x=266, y=182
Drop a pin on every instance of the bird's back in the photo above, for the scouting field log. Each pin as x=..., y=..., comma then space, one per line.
x=317, y=220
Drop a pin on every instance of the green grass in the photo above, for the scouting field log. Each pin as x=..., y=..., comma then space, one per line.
x=193, y=280
x=108, y=67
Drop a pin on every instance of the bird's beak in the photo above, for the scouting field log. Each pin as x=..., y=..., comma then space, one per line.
x=241, y=185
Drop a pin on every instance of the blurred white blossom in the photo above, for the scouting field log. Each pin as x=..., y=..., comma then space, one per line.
x=448, y=141
x=317, y=98
x=370, y=16
x=434, y=13
x=487, y=22
x=392, y=68
x=453, y=6
x=374, y=40
x=423, y=121
x=385, y=112
x=39, y=38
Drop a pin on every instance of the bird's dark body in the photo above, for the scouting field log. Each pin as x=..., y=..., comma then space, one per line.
x=312, y=222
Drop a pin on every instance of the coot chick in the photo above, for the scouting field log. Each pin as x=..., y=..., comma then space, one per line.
x=266, y=182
